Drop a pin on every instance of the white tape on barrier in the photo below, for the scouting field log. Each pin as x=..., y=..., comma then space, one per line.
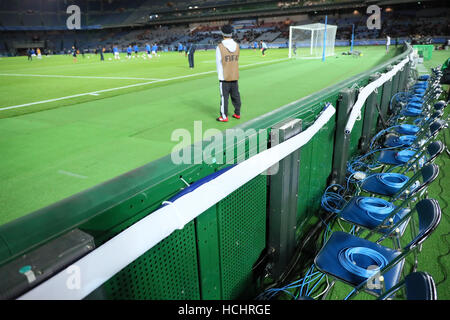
x=98, y=266
x=367, y=90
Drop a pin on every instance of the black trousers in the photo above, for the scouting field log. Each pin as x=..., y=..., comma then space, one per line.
x=227, y=89
x=191, y=60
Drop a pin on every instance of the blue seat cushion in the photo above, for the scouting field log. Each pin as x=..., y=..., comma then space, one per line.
x=407, y=129
x=419, y=90
x=412, y=112
x=399, y=141
x=394, y=157
x=353, y=213
x=415, y=104
x=389, y=157
x=416, y=99
x=327, y=260
x=374, y=184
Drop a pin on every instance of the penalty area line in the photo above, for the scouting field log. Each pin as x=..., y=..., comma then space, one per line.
x=96, y=93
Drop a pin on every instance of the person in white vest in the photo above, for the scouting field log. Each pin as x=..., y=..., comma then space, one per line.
x=227, y=63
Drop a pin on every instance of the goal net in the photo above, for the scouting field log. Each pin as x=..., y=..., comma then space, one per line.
x=307, y=41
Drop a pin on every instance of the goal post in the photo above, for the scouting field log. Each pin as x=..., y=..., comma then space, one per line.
x=308, y=41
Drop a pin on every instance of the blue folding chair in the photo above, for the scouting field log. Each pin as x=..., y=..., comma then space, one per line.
x=396, y=185
x=428, y=132
x=369, y=266
x=405, y=161
x=378, y=215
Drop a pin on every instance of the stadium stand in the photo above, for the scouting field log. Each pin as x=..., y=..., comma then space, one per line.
x=168, y=23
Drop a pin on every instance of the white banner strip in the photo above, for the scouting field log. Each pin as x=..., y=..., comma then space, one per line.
x=367, y=90
x=94, y=269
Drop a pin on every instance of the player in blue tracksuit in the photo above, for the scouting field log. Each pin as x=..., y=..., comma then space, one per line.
x=154, y=49
x=116, y=53
x=255, y=45
x=129, y=51
x=148, y=49
x=180, y=47
x=136, y=50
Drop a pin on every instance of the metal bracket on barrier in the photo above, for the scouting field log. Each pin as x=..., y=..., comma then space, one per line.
x=283, y=197
x=370, y=117
x=386, y=97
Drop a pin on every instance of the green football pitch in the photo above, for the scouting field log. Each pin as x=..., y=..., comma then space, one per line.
x=66, y=126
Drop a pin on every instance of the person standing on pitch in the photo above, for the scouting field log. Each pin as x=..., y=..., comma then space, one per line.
x=102, y=50
x=388, y=43
x=263, y=48
x=190, y=54
x=227, y=63
x=74, y=54
x=129, y=51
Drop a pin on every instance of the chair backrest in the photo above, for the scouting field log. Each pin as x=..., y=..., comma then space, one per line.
x=430, y=129
x=436, y=126
x=428, y=173
x=434, y=149
x=420, y=286
x=429, y=214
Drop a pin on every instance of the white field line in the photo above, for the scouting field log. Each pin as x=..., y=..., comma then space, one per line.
x=76, y=77
x=130, y=86
x=72, y=174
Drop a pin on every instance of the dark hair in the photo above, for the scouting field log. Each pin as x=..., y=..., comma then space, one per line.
x=227, y=30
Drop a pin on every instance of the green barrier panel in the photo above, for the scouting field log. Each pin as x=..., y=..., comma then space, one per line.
x=221, y=267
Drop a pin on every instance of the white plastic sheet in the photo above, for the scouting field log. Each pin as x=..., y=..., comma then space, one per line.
x=367, y=90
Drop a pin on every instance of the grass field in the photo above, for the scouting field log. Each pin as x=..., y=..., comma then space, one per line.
x=65, y=126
